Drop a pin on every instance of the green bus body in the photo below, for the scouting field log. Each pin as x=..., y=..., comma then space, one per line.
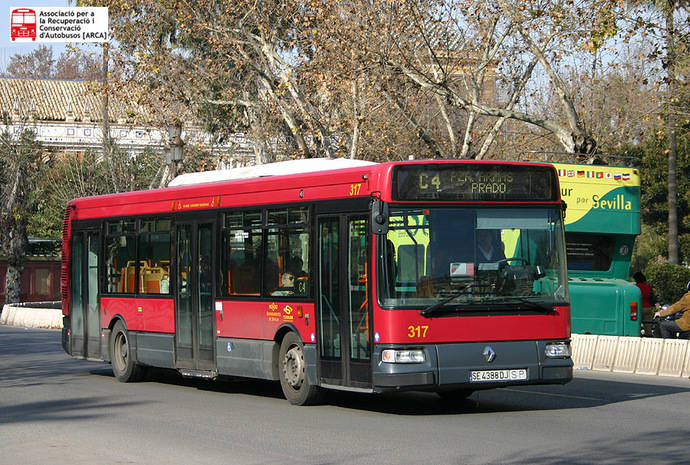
x=601, y=223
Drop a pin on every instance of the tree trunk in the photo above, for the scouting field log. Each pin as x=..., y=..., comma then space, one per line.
x=673, y=246
x=354, y=145
x=418, y=128
x=107, y=142
x=13, y=284
x=16, y=254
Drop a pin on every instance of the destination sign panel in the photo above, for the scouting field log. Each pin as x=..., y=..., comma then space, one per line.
x=474, y=182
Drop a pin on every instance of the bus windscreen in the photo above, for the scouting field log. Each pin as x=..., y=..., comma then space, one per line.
x=474, y=182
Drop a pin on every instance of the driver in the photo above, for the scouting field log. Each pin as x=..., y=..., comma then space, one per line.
x=489, y=248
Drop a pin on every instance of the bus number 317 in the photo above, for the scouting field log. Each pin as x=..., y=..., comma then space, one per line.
x=417, y=332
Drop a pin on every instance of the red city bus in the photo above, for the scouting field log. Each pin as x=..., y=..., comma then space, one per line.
x=23, y=24
x=445, y=276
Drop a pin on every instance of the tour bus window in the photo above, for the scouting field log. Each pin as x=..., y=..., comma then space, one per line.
x=154, y=256
x=242, y=245
x=120, y=256
x=590, y=253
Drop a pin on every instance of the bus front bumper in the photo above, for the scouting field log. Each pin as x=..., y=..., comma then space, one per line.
x=471, y=366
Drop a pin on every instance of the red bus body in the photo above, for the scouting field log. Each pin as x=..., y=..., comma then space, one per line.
x=23, y=24
x=342, y=328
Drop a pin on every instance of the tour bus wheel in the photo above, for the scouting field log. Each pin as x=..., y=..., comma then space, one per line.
x=125, y=368
x=293, y=373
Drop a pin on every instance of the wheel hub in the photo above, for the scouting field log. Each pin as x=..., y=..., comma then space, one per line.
x=293, y=367
x=121, y=351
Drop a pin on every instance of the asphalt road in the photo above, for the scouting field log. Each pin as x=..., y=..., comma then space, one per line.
x=56, y=410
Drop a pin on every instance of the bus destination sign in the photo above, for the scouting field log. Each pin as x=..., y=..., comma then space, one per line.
x=474, y=182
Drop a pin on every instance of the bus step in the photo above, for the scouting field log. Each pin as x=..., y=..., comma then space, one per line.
x=204, y=374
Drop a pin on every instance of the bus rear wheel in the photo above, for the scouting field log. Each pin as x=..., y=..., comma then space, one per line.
x=125, y=368
x=293, y=373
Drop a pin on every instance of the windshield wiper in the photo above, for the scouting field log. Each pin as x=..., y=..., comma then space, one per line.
x=530, y=303
x=431, y=309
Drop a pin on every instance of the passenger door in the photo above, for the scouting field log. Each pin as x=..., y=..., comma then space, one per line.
x=344, y=312
x=85, y=318
x=194, y=315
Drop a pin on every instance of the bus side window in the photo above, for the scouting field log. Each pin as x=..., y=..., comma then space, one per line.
x=287, y=254
x=241, y=256
x=244, y=263
x=297, y=260
x=154, y=256
x=120, y=259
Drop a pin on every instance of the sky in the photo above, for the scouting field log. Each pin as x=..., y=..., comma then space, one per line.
x=9, y=48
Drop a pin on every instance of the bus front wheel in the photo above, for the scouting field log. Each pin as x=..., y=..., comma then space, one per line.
x=293, y=372
x=125, y=368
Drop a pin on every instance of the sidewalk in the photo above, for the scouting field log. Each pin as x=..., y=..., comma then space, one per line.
x=32, y=315
x=639, y=355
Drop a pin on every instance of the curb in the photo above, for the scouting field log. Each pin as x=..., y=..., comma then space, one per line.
x=31, y=317
x=637, y=355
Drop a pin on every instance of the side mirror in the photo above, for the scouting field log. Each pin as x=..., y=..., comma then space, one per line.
x=379, y=217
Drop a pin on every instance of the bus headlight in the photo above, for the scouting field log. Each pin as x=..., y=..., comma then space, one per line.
x=557, y=350
x=402, y=356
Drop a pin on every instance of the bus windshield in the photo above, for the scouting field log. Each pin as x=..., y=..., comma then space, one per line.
x=475, y=259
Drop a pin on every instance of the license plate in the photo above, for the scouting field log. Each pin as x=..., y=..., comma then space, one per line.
x=484, y=376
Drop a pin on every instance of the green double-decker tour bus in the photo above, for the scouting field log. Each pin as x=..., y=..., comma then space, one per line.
x=601, y=222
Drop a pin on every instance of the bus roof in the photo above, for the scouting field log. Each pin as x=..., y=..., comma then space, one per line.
x=283, y=182
x=309, y=165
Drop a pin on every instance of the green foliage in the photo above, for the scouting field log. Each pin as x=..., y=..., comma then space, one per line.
x=669, y=281
x=650, y=246
x=20, y=171
x=654, y=194
x=72, y=177
x=654, y=172
x=21, y=168
x=136, y=172
x=69, y=177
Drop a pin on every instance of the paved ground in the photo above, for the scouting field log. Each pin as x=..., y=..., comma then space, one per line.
x=54, y=409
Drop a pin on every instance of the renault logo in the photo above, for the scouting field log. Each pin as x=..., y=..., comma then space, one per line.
x=489, y=354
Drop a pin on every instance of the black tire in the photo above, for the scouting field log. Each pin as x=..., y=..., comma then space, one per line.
x=125, y=368
x=292, y=369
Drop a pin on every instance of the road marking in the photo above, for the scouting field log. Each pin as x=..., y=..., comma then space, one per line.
x=553, y=394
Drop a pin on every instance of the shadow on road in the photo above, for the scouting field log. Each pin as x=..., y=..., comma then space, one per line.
x=33, y=341
x=82, y=408
x=224, y=384
x=580, y=393
x=661, y=447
